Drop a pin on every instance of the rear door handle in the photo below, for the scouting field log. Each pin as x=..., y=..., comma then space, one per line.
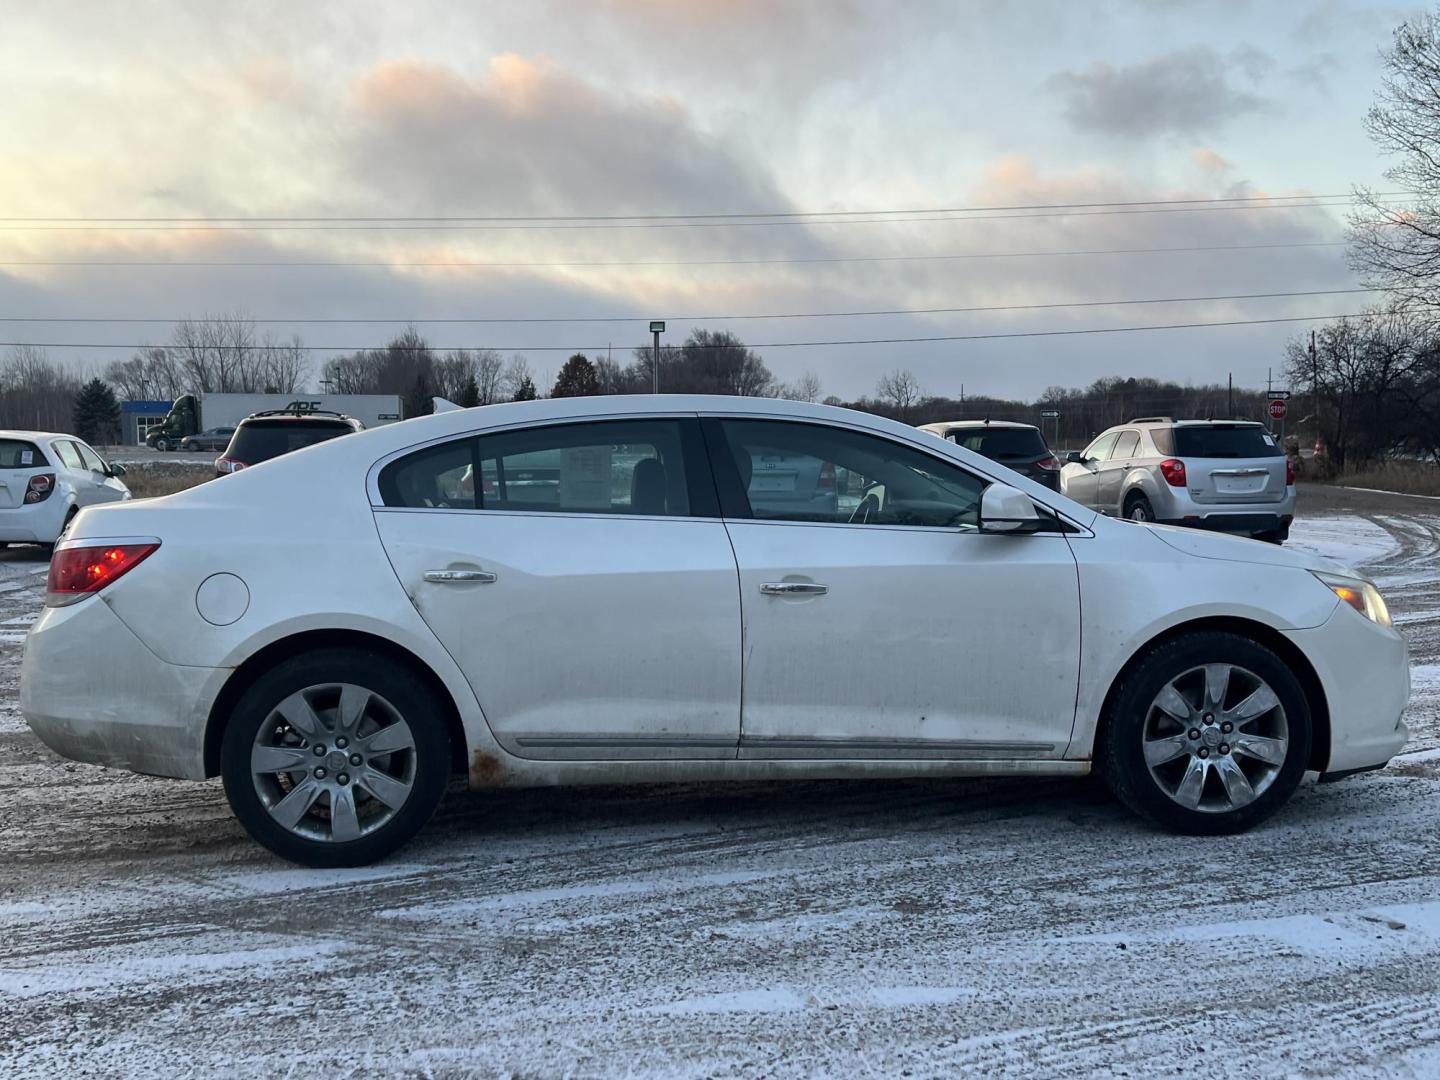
x=456, y=577
x=793, y=588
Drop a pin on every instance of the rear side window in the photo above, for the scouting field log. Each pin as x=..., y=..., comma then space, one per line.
x=1125, y=446
x=18, y=454
x=1225, y=441
x=1000, y=444
x=260, y=440
x=607, y=467
x=68, y=454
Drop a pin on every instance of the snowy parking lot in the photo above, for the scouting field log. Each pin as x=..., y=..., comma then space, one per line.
x=1011, y=928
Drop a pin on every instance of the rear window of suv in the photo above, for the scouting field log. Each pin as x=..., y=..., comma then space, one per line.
x=1222, y=441
x=255, y=441
x=18, y=454
x=998, y=443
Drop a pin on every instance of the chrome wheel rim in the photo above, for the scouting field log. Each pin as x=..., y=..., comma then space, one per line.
x=1138, y=512
x=1215, y=738
x=333, y=762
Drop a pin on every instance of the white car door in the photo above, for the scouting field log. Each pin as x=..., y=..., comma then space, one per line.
x=584, y=583
x=96, y=482
x=892, y=627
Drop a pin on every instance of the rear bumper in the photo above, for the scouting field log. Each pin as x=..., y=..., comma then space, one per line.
x=39, y=523
x=1245, y=524
x=1364, y=670
x=1175, y=506
x=92, y=691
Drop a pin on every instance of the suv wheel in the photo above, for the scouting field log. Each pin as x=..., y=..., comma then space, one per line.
x=335, y=757
x=1209, y=734
x=1138, y=508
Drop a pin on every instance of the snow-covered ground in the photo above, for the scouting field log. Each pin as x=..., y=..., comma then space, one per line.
x=1028, y=928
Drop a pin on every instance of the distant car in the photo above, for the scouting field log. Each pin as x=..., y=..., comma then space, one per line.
x=1016, y=446
x=337, y=632
x=216, y=438
x=1228, y=475
x=45, y=480
x=266, y=435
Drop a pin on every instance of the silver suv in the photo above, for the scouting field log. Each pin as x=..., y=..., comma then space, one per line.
x=1208, y=474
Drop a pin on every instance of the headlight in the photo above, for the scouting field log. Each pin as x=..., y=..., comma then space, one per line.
x=1359, y=594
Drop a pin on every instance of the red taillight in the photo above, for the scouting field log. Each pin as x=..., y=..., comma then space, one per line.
x=1049, y=464
x=826, y=480
x=1289, y=473
x=1174, y=472
x=75, y=572
x=40, y=487
x=228, y=464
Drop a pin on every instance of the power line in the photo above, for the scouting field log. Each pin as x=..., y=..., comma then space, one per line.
x=465, y=226
x=1241, y=199
x=761, y=345
x=711, y=318
x=463, y=264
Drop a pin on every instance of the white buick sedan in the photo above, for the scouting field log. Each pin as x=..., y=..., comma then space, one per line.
x=607, y=590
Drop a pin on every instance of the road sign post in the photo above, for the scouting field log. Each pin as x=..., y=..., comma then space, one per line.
x=657, y=327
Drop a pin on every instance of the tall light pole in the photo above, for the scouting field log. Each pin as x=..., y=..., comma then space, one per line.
x=657, y=327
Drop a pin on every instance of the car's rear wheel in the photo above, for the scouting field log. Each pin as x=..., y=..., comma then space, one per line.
x=1208, y=734
x=188, y=446
x=336, y=758
x=1138, y=508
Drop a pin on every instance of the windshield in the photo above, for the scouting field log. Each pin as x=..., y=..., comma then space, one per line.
x=260, y=440
x=1225, y=441
x=1001, y=443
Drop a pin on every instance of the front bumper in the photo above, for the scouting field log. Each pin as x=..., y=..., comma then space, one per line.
x=1364, y=670
x=92, y=691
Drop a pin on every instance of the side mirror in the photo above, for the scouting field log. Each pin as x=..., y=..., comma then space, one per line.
x=117, y=470
x=1004, y=509
x=1074, y=457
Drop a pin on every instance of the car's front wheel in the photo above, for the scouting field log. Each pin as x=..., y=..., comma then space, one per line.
x=1208, y=734
x=162, y=445
x=336, y=758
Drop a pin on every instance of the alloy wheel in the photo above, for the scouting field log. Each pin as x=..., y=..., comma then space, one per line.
x=1215, y=738
x=333, y=762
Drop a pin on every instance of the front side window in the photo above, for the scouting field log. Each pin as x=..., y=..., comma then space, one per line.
x=812, y=473
x=90, y=458
x=1099, y=450
x=606, y=467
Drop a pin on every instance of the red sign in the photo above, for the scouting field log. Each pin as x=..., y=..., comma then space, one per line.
x=1277, y=410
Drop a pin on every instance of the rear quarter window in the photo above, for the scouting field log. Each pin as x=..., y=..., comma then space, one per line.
x=1225, y=441
x=19, y=454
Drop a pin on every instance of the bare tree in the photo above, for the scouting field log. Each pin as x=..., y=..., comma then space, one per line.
x=1396, y=247
x=805, y=388
x=517, y=376
x=35, y=392
x=901, y=390
x=152, y=374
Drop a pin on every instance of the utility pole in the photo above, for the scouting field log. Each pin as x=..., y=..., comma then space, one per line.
x=1230, y=393
x=1315, y=385
x=657, y=327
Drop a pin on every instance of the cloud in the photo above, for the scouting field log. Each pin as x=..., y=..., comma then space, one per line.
x=1187, y=92
x=527, y=137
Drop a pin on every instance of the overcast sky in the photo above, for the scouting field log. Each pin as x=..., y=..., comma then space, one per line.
x=610, y=107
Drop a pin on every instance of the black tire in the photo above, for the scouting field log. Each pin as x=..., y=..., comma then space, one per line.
x=411, y=697
x=1278, y=537
x=1120, y=751
x=162, y=445
x=1138, y=508
x=187, y=446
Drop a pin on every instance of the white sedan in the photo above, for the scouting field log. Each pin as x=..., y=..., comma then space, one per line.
x=606, y=590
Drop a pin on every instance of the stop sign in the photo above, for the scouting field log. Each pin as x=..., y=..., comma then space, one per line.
x=1277, y=410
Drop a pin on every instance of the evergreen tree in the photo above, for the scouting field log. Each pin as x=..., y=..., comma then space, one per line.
x=96, y=414
x=576, y=379
x=469, y=395
x=525, y=391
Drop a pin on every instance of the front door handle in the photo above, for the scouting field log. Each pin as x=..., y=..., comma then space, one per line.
x=456, y=577
x=793, y=588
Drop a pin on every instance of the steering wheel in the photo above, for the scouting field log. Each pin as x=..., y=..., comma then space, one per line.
x=870, y=504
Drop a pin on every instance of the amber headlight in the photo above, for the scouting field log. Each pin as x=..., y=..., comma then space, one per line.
x=1359, y=594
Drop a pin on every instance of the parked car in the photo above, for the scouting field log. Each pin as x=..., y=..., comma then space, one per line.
x=1016, y=446
x=335, y=633
x=45, y=480
x=215, y=438
x=266, y=435
x=1229, y=475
